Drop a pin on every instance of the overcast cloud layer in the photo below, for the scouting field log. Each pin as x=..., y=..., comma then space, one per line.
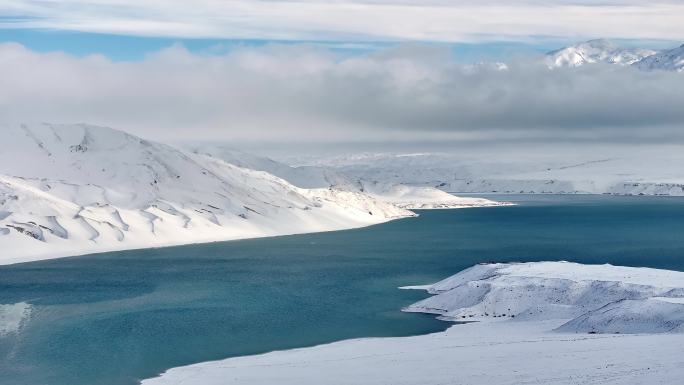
x=433, y=20
x=304, y=93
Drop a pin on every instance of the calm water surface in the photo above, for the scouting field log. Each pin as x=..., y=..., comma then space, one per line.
x=115, y=318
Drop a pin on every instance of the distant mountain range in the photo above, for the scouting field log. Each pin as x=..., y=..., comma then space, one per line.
x=631, y=170
x=607, y=52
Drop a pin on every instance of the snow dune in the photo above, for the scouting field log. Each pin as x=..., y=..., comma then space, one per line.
x=540, y=323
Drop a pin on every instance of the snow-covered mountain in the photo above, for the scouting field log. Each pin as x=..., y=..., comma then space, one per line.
x=670, y=60
x=70, y=189
x=607, y=52
x=596, y=51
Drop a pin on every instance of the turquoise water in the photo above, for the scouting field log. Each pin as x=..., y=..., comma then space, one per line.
x=118, y=317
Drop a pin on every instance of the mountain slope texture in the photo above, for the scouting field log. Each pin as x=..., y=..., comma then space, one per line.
x=671, y=60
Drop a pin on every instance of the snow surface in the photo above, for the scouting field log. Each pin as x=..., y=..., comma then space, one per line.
x=543, y=323
x=630, y=316
x=670, y=60
x=596, y=51
x=561, y=290
x=475, y=353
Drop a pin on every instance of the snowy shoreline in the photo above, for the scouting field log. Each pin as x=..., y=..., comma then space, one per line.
x=76, y=252
x=543, y=322
x=66, y=250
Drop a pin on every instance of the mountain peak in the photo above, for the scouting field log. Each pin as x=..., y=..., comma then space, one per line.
x=595, y=51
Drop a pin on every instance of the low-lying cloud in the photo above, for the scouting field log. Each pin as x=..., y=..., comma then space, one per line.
x=304, y=93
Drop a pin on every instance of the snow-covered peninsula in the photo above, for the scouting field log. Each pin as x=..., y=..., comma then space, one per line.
x=76, y=189
x=542, y=323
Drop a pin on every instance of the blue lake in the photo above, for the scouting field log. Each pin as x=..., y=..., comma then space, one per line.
x=115, y=318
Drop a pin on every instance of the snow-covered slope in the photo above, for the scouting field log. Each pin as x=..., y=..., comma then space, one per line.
x=527, y=337
x=670, y=60
x=402, y=195
x=596, y=298
x=304, y=176
x=70, y=189
x=651, y=315
x=595, y=51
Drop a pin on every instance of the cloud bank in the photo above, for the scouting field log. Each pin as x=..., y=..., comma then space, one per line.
x=303, y=93
x=433, y=20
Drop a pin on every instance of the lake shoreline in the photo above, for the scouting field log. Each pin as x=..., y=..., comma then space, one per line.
x=523, y=317
x=75, y=249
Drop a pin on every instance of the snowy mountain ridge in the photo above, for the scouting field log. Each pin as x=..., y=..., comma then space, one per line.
x=606, y=52
x=670, y=60
x=595, y=51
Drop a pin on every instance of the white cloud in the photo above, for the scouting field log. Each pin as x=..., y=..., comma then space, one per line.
x=448, y=21
x=306, y=93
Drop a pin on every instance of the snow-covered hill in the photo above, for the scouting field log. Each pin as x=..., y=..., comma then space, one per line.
x=670, y=60
x=595, y=298
x=595, y=51
x=71, y=189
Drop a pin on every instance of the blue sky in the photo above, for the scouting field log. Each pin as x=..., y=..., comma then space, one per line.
x=129, y=47
x=483, y=30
